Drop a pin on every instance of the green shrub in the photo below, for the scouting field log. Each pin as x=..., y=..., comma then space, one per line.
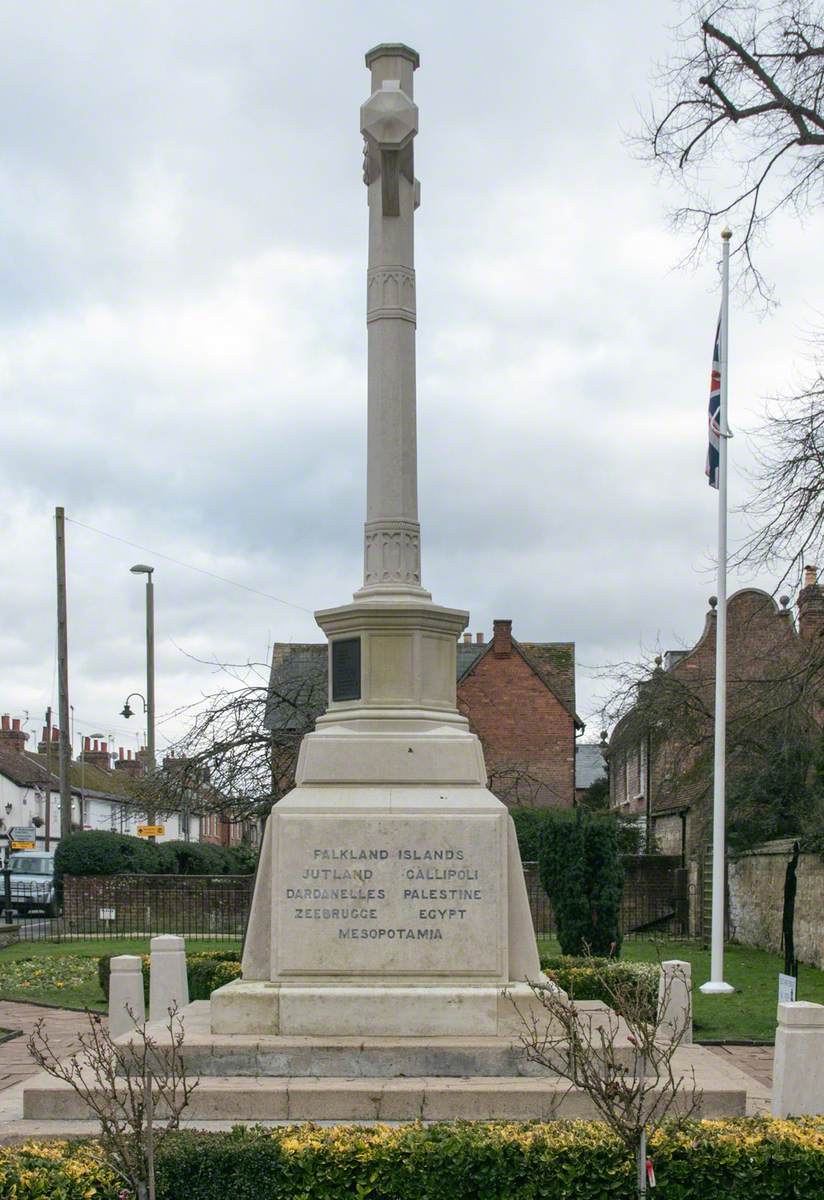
x=199, y=858
x=205, y=972
x=99, y=852
x=243, y=858
x=741, y=1159
x=581, y=872
x=601, y=978
x=530, y=824
x=211, y=970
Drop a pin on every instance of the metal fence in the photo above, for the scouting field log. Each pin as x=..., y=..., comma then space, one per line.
x=136, y=906
x=132, y=906
x=650, y=907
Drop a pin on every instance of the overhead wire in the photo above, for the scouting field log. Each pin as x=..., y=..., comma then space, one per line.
x=189, y=566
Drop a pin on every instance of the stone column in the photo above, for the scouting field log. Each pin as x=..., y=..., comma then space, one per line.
x=798, y=1083
x=168, y=982
x=126, y=994
x=675, y=1001
x=389, y=122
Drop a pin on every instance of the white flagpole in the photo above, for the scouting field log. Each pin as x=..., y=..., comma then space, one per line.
x=716, y=984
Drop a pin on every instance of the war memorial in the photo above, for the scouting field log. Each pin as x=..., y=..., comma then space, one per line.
x=390, y=951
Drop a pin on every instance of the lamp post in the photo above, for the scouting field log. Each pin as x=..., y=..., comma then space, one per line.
x=143, y=569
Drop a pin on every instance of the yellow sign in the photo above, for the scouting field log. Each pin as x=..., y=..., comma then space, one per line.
x=23, y=846
x=151, y=830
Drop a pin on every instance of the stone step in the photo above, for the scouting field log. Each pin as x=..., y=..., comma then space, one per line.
x=276, y=1098
x=216, y=1054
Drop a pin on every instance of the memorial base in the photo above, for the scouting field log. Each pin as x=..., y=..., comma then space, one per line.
x=392, y=1011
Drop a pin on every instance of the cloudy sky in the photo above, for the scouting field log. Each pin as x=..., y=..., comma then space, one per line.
x=182, y=338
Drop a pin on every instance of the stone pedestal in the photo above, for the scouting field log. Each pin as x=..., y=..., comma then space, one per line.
x=798, y=1084
x=385, y=911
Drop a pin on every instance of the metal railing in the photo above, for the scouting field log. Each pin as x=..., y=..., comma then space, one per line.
x=130, y=906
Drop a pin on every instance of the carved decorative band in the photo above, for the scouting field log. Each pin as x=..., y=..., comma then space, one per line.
x=390, y=292
x=392, y=552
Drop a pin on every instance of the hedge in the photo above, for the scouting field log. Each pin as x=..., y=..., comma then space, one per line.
x=581, y=872
x=741, y=1159
x=205, y=972
x=99, y=852
x=591, y=978
x=200, y=858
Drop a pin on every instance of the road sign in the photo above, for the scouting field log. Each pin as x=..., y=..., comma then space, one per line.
x=151, y=830
x=22, y=837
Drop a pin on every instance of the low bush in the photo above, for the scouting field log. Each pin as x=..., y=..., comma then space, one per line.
x=211, y=970
x=205, y=972
x=99, y=852
x=603, y=978
x=742, y=1159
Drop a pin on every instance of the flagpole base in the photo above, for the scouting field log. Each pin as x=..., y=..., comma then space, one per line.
x=716, y=988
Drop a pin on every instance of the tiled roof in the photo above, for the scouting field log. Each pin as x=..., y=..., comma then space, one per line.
x=297, y=685
x=29, y=770
x=554, y=662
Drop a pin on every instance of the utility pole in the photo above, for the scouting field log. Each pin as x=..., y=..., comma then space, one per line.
x=48, y=779
x=63, y=677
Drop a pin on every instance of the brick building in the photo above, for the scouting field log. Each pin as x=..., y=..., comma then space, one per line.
x=660, y=752
x=519, y=698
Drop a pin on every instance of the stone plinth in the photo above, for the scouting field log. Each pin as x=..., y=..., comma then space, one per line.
x=393, y=911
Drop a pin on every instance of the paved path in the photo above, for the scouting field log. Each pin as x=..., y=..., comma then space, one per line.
x=61, y=1025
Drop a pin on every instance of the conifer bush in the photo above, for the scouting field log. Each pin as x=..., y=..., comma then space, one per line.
x=581, y=872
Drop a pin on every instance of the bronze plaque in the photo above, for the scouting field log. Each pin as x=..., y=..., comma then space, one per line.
x=346, y=669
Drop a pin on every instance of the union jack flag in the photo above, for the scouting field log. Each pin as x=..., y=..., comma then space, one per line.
x=714, y=446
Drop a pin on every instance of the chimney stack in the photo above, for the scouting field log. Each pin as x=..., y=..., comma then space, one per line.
x=12, y=736
x=44, y=747
x=97, y=755
x=811, y=606
x=502, y=639
x=479, y=639
x=131, y=766
x=467, y=639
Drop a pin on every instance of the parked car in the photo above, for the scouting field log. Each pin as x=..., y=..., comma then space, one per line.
x=32, y=881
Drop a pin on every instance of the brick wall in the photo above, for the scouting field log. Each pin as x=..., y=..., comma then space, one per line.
x=149, y=904
x=528, y=736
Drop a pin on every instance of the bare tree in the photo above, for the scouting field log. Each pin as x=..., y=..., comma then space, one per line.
x=787, y=508
x=745, y=94
x=624, y=1063
x=740, y=127
x=137, y=1090
x=240, y=751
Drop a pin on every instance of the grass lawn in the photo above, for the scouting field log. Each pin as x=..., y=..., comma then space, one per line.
x=747, y=1014
x=65, y=973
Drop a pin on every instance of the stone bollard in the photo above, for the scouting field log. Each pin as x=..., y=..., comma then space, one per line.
x=798, y=1082
x=168, y=984
x=126, y=992
x=675, y=1001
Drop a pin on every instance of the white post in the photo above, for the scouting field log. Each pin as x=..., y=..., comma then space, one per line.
x=126, y=994
x=675, y=1001
x=798, y=1082
x=168, y=983
x=716, y=984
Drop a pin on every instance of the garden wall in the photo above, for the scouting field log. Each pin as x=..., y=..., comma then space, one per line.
x=146, y=904
x=756, y=900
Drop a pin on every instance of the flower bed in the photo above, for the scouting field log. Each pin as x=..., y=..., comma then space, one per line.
x=743, y=1159
x=70, y=971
